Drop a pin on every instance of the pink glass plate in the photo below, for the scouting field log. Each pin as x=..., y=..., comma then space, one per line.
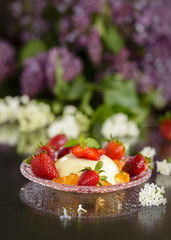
x=134, y=181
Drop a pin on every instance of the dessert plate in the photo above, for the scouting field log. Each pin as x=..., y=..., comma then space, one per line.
x=134, y=181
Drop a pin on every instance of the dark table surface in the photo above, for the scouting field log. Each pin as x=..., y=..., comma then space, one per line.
x=21, y=221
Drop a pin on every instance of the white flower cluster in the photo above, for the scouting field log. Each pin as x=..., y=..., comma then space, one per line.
x=29, y=114
x=118, y=125
x=71, y=123
x=152, y=195
x=163, y=167
x=148, y=152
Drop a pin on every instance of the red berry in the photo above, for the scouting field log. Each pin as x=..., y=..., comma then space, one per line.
x=87, y=152
x=135, y=165
x=115, y=150
x=43, y=166
x=101, y=151
x=165, y=128
x=63, y=151
x=88, y=178
x=58, y=141
x=49, y=150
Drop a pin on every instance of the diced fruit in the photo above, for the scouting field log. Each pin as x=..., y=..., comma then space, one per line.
x=63, y=151
x=58, y=141
x=115, y=149
x=71, y=179
x=122, y=177
x=88, y=178
x=135, y=165
x=91, y=177
x=105, y=183
x=120, y=163
x=49, y=150
x=43, y=166
x=87, y=152
x=101, y=151
x=165, y=128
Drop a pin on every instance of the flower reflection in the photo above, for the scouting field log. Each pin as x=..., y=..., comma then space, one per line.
x=148, y=217
x=163, y=180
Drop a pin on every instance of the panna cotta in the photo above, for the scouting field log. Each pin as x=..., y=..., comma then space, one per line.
x=71, y=164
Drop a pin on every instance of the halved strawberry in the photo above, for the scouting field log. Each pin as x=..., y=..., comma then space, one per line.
x=43, y=166
x=101, y=151
x=87, y=152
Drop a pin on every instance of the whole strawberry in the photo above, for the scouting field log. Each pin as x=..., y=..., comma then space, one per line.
x=91, y=177
x=58, y=141
x=115, y=149
x=47, y=149
x=165, y=127
x=135, y=165
x=43, y=166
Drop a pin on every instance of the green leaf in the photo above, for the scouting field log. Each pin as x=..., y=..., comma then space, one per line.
x=31, y=49
x=85, y=169
x=98, y=166
x=103, y=178
x=81, y=138
x=90, y=142
x=72, y=143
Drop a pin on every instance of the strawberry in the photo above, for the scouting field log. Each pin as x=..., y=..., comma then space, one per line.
x=58, y=141
x=63, y=151
x=86, y=152
x=47, y=149
x=43, y=166
x=101, y=151
x=165, y=128
x=135, y=165
x=91, y=177
x=115, y=149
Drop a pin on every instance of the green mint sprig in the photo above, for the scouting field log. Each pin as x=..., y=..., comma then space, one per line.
x=90, y=142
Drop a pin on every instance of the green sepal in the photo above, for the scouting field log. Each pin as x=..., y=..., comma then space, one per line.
x=28, y=160
x=103, y=178
x=85, y=169
x=100, y=171
x=98, y=166
x=99, y=183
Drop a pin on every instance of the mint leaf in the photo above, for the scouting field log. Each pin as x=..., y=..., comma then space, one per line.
x=81, y=138
x=103, y=178
x=72, y=143
x=90, y=142
x=98, y=166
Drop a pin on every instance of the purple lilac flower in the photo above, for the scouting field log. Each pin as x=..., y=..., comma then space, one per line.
x=32, y=79
x=90, y=6
x=70, y=64
x=94, y=46
x=7, y=60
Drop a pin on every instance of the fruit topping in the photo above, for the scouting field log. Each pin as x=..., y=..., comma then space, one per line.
x=58, y=141
x=48, y=150
x=63, y=151
x=71, y=179
x=43, y=166
x=136, y=165
x=122, y=177
x=120, y=163
x=115, y=149
x=165, y=126
x=91, y=177
x=84, y=148
x=101, y=151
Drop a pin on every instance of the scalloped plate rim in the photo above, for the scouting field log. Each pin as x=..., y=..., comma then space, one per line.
x=137, y=180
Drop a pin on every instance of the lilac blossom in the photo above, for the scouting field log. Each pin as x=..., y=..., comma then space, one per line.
x=7, y=60
x=32, y=79
x=61, y=57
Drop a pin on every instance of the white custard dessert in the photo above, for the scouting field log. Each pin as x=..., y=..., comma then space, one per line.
x=71, y=164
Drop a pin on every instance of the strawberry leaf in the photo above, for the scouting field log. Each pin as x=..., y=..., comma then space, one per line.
x=28, y=160
x=103, y=178
x=90, y=142
x=85, y=169
x=100, y=171
x=72, y=143
x=98, y=166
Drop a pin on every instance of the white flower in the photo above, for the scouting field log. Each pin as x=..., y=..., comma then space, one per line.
x=66, y=125
x=69, y=110
x=148, y=152
x=152, y=195
x=65, y=216
x=163, y=167
x=80, y=210
x=119, y=125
